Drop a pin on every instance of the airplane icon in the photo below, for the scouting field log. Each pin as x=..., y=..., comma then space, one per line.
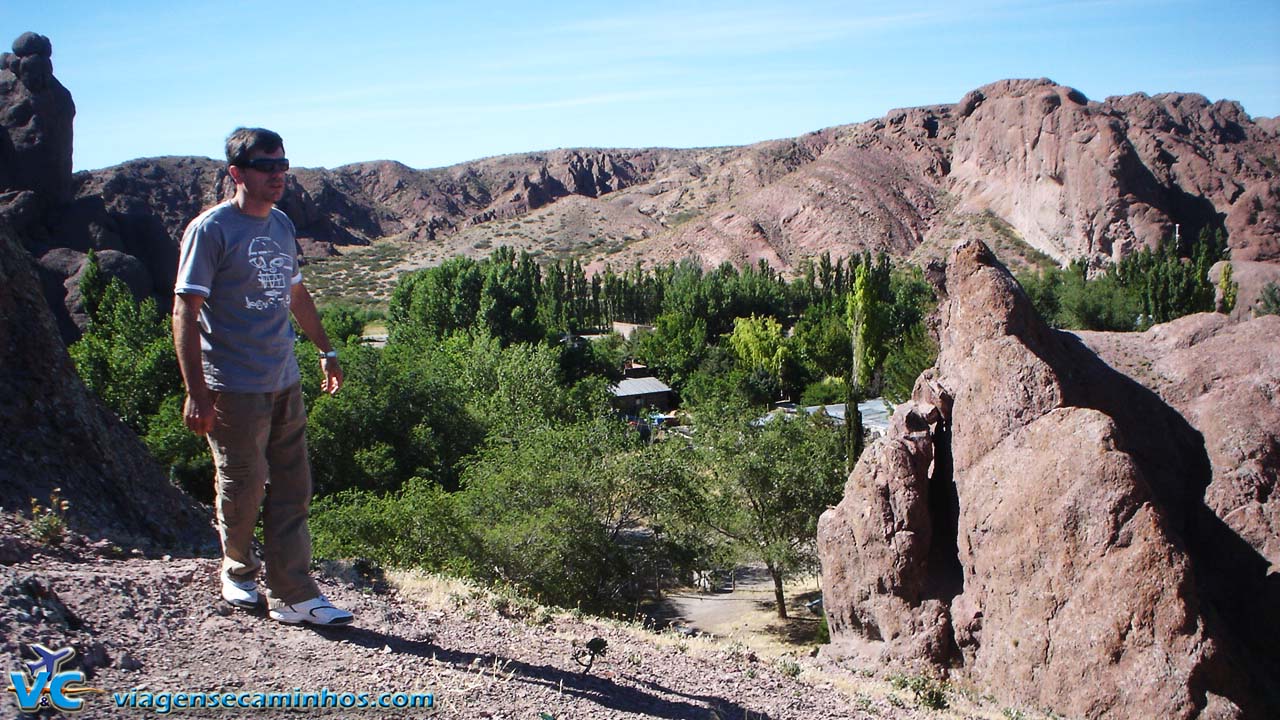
x=50, y=660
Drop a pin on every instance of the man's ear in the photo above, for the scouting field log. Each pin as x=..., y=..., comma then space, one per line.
x=236, y=173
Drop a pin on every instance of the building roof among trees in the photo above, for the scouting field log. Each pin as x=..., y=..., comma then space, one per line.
x=630, y=387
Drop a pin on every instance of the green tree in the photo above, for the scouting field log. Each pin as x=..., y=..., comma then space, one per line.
x=822, y=339
x=550, y=508
x=1229, y=289
x=343, y=322
x=675, y=347
x=399, y=415
x=760, y=346
x=1103, y=303
x=765, y=484
x=910, y=355
x=93, y=285
x=126, y=356
x=1268, y=300
x=866, y=313
x=868, y=317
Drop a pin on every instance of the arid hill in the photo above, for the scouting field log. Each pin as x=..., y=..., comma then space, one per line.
x=1033, y=166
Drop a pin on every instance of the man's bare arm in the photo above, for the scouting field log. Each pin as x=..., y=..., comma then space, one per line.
x=197, y=411
x=304, y=310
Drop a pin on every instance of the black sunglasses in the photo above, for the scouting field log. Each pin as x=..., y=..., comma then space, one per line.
x=266, y=165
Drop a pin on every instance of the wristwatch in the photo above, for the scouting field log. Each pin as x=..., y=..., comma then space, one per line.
x=331, y=355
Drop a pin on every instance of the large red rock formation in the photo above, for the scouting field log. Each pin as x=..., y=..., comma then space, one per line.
x=1225, y=380
x=1085, y=179
x=1041, y=524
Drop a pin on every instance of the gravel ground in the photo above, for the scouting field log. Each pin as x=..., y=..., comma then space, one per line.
x=156, y=624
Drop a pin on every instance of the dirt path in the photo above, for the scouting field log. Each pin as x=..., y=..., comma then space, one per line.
x=747, y=613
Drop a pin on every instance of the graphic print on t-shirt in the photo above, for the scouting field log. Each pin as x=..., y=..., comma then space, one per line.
x=275, y=268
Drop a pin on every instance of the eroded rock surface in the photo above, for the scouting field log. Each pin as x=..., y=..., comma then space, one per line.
x=1048, y=528
x=36, y=112
x=1077, y=178
x=1225, y=380
x=57, y=434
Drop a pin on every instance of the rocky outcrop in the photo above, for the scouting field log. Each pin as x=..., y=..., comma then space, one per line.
x=1044, y=526
x=36, y=112
x=57, y=434
x=37, y=188
x=1224, y=379
x=1085, y=179
x=1251, y=279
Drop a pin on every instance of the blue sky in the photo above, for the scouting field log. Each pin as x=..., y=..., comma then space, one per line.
x=436, y=83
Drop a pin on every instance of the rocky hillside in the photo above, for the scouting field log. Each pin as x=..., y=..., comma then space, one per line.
x=1069, y=177
x=57, y=434
x=1041, y=524
x=1033, y=167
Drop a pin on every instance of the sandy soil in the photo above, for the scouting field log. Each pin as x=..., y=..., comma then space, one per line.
x=745, y=612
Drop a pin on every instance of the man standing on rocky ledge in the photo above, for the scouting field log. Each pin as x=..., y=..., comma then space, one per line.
x=238, y=280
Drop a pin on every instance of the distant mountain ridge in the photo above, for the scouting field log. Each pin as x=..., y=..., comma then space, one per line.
x=1070, y=176
x=1031, y=167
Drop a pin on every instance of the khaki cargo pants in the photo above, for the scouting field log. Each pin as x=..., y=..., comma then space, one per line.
x=259, y=447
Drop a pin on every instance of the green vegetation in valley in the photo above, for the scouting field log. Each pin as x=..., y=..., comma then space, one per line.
x=1146, y=288
x=480, y=440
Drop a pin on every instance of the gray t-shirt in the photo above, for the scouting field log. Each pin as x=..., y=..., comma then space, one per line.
x=245, y=268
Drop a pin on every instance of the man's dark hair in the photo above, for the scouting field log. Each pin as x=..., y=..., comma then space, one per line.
x=243, y=141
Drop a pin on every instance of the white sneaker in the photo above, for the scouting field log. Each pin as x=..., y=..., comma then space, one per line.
x=241, y=593
x=316, y=611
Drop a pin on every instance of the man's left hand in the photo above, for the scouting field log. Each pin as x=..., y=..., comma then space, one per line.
x=330, y=375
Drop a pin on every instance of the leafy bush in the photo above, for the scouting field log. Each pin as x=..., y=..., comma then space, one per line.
x=184, y=453
x=929, y=692
x=419, y=526
x=49, y=524
x=827, y=391
x=1269, y=300
x=126, y=356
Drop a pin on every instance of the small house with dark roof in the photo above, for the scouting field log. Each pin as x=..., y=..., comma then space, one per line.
x=633, y=394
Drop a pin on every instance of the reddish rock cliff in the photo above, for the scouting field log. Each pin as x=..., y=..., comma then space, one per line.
x=1043, y=525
